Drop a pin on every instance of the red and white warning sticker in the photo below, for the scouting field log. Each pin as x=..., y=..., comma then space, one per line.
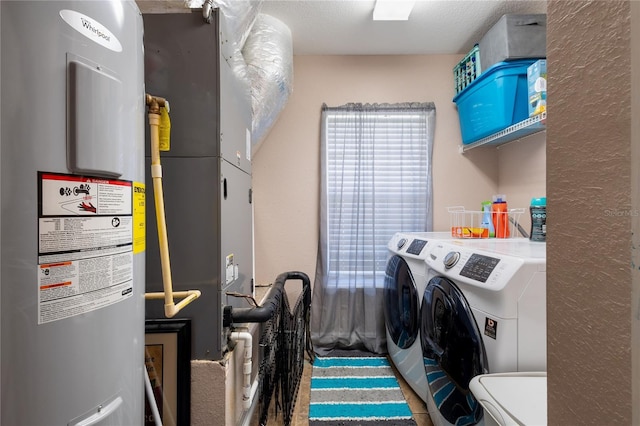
x=85, y=244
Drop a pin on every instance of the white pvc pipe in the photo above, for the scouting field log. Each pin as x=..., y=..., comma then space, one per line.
x=247, y=338
x=152, y=399
x=248, y=414
x=254, y=388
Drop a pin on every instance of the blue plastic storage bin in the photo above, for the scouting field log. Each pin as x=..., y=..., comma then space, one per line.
x=494, y=101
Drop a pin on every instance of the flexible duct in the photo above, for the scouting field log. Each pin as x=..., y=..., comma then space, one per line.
x=240, y=15
x=262, y=58
x=268, y=53
x=269, y=307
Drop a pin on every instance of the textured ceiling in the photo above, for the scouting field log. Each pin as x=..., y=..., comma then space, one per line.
x=345, y=27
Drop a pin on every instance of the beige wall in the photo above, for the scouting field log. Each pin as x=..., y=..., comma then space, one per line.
x=286, y=167
x=635, y=204
x=522, y=173
x=590, y=214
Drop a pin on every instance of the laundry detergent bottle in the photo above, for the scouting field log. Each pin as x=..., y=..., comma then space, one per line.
x=500, y=216
x=538, y=210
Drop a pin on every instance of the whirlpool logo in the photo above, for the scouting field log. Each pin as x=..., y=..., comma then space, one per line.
x=91, y=29
x=87, y=24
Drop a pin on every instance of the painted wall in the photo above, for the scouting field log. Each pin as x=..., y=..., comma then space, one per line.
x=286, y=169
x=522, y=168
x=635, y=206
x=592, y=212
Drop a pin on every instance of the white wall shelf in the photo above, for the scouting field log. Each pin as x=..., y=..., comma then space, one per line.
x=527, y=127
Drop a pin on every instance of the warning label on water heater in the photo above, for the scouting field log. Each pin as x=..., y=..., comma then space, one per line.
x=85, y=244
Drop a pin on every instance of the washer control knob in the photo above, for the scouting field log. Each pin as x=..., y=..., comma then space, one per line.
x=401, y=243
x=451, y=259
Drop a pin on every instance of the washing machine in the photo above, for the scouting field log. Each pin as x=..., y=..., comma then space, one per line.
x=483, y=310
x=405, y=280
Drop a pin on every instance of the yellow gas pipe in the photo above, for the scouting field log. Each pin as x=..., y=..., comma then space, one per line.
x=170, y=308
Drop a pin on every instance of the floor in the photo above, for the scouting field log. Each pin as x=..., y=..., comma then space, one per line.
x=301, y=412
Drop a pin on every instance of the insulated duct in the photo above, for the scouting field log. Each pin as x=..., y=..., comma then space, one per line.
x=240, y=15
x=261, y=57
x=268, y=53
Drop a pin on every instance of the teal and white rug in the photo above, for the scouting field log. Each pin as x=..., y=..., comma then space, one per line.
x=356, y=391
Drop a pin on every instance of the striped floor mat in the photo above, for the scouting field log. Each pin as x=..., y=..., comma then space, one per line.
x=356, y=391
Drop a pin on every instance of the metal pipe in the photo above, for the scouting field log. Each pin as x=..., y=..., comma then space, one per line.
x=206, y=10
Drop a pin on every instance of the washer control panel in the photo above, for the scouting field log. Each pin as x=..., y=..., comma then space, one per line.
x=416, y=246
x=479, y=267
x=413, y=245
x=470, y=265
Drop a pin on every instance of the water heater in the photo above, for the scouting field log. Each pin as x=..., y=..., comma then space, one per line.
x=72, y=228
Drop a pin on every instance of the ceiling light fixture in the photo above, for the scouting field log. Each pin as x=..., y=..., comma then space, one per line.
x=392, y=10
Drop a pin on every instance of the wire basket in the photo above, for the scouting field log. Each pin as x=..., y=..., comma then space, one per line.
x=467, y=70
x=470, y=223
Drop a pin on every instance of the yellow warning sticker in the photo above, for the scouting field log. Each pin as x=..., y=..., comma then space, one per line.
x=139, y=209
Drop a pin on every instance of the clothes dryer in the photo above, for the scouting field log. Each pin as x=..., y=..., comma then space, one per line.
x=405, y=280
x=483, y=311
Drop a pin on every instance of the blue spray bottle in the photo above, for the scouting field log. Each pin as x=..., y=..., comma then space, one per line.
x=486, y=218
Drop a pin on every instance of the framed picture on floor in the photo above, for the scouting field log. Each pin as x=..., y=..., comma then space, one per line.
x=167, y=359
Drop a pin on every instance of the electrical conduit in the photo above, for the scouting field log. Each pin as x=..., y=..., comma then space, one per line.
x=170, y=308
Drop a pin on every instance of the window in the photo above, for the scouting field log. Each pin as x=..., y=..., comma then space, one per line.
x=376, y=182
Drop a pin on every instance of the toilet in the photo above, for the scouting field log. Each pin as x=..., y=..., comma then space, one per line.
x=518, y=398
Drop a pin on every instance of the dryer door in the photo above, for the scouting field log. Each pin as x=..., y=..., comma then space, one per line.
x=400, y=303
x=453, y=351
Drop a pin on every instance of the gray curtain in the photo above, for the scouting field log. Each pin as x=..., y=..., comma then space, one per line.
x=376, y=181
